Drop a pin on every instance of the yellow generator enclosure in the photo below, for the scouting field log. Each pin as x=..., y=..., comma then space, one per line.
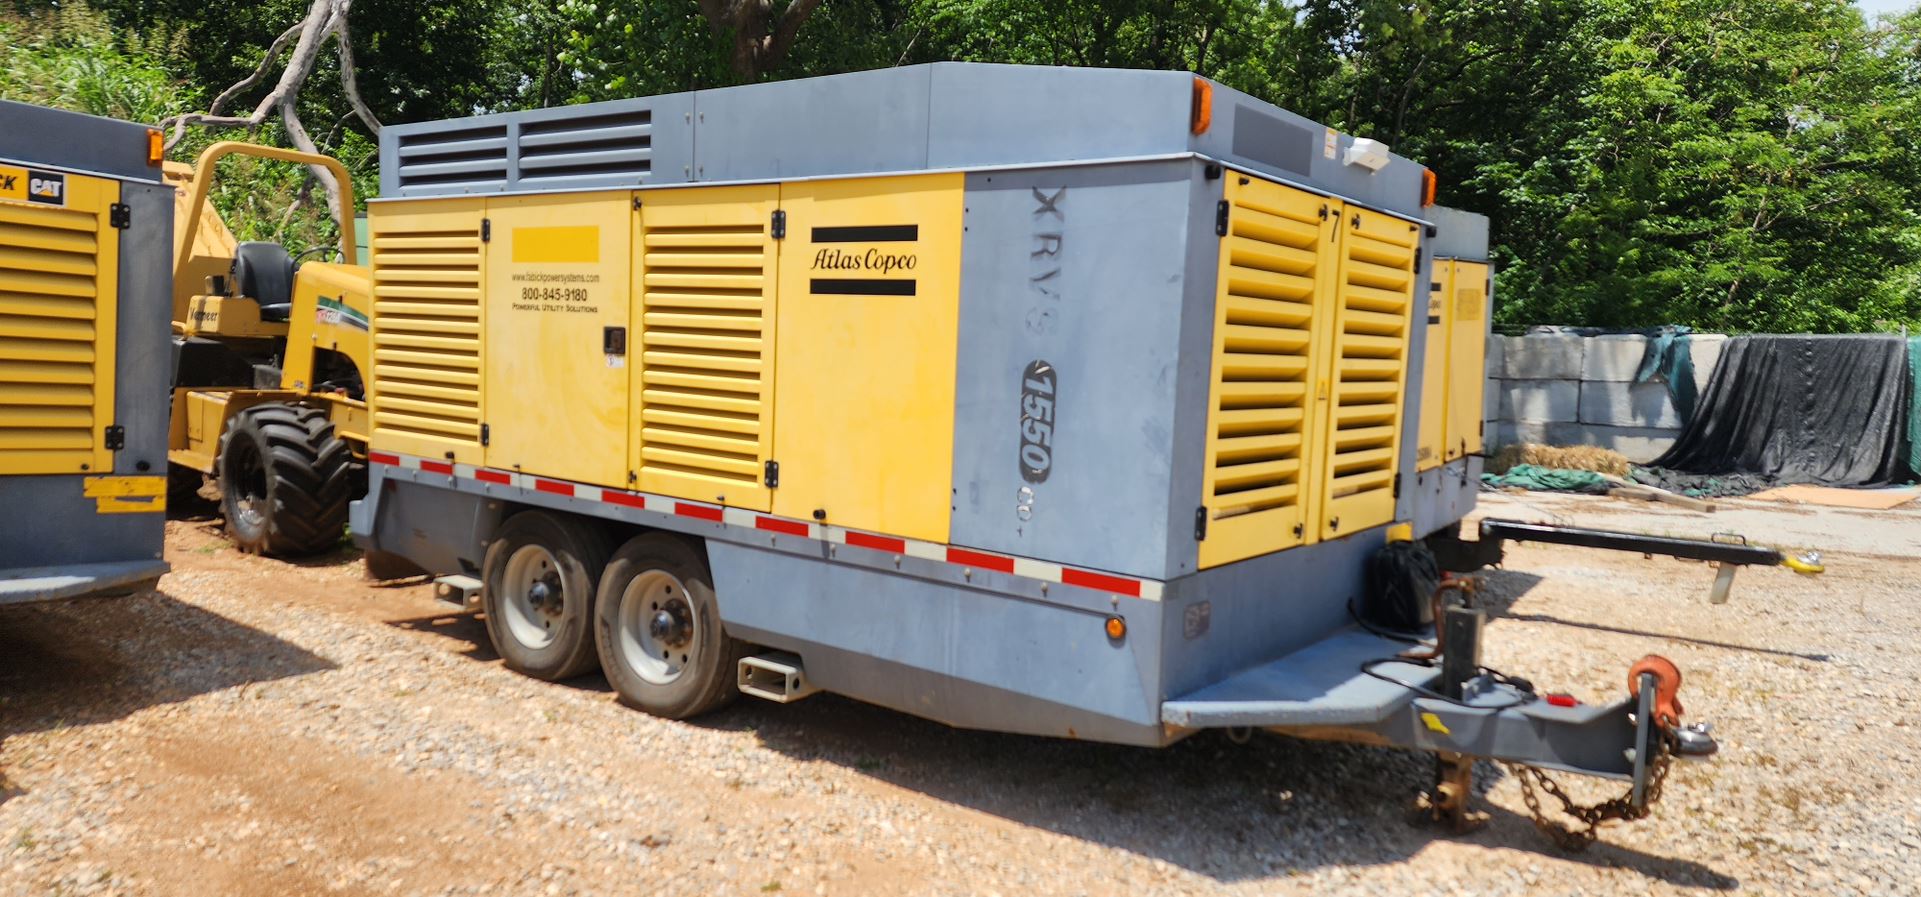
x=1154, y=364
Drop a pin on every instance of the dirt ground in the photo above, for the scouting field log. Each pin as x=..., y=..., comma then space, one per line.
x=256, y=727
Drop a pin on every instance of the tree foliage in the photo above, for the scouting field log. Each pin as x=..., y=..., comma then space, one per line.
x=1728, y=164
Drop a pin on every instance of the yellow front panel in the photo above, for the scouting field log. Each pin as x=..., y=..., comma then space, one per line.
x=1361, y=400
x=557, y=280
x=1434, y=370
x=869, y=318
x=703, y=379
x=1467, y=358
x=1275, y=274
x=425, y=388
x=59, y=275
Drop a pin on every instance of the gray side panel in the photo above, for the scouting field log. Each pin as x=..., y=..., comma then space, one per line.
x=1267, y=139
x=1411, y=409
x=1083, y=269
x=144, y=365
x=1194, y=384
x=1460, y=235
x=864, y=121
x=1443, y=495
x=1012, y=114
x=50, y=523
x=1259, y=609
x=58, y=139
x=967, y=656
x=441, y=530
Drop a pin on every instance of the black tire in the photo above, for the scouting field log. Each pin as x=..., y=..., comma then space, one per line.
x=183, y=488
x=654, y=575
x=548, y=633
x=285, y=481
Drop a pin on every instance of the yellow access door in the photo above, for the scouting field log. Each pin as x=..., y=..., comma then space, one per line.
x=1274, y=287
x=59, y=297
x=704, y=304
x=557, y=304
x=425, y=391
x=1360, y=401
x=1436, y=383
x=1467, y=357
x=869, y=322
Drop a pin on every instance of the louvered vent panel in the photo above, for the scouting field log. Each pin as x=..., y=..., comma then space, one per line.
x=445, y=161
x=1258, y=419
x=707, y=351
x=587, y=149
x=55, y=345
x=426, y=338
x=1374, y=296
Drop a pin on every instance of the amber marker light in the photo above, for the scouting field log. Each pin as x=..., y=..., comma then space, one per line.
x=1116, y=628
x=1429, y=183
x=1201, y=114
x=156, y=147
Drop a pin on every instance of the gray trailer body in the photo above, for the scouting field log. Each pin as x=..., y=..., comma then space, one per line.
x=1002, y=628
x=97, y=529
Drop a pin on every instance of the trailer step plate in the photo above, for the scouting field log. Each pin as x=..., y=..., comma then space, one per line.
x=1319, y=685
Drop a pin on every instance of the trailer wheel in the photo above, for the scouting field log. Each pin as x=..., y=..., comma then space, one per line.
x=659, y=631
x=285, y=480
x=540, y=574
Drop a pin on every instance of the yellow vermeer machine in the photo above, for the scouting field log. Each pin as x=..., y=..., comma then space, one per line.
x=270, y=360
x=1071, y=402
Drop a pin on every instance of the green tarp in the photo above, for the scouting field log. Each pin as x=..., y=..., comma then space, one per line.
x=1548, y=479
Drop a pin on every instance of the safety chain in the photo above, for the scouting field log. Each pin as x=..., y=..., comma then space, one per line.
x=1622, y=808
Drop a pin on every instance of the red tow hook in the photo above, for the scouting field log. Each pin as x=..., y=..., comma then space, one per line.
x=1667, y=688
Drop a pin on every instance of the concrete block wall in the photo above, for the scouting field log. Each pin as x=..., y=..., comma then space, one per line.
x=1569, y=390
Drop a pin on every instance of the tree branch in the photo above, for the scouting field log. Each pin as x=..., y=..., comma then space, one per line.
x=347, y=83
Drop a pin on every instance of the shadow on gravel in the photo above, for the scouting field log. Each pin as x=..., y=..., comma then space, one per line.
x=92, y=660
x=1269, y=808
x=1501, y=587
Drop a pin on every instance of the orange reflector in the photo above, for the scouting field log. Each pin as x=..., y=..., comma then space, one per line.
x=1201, y=114
x=156, y=147
x=1429, y=183
x=1116, y=628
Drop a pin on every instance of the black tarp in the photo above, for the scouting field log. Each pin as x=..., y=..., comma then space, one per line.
x=1829, y=410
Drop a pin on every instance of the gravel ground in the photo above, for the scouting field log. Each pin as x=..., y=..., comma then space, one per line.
x=255, y=727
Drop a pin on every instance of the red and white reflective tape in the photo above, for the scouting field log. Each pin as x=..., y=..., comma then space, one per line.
x=1045, y=571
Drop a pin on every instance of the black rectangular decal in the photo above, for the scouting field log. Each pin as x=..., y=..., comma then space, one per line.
x=879, y=233
x=833, y=286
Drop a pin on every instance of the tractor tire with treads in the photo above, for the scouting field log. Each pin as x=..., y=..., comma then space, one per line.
x=285, y=480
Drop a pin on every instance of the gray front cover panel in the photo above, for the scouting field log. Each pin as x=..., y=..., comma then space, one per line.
x=1445, y=494
x=1226, y=619
x=143, y=368
x=1085, y=270
x=54, y=138
x=51, y=523
x=859, y=122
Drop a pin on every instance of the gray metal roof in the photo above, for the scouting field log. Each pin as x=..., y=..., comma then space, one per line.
x=73, y=141
x=941, y=116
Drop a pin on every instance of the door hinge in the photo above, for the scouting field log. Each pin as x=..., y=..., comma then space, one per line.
x=1397, y=485
x=636, y=203
x=1220, y=218
x=115, y=438
x=120, y=216
x=486, y=230
x=779, y=225
x=1200, y=524
x=773, y=474
x=1300, y=529
x=1323, y=211
x=486, y=434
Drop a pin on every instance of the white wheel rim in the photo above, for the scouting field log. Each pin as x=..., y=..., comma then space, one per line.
x=533, y=615
x=659, y=633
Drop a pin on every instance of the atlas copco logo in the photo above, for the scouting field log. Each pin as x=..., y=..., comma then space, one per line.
x=872, y=260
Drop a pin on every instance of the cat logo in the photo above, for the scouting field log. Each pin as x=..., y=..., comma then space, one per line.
x=22, y=184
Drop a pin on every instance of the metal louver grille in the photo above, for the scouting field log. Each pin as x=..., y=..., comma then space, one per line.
x=426, y=338
x=552, y=153
x=1263, y=342
x=56, y=340
x=469, y=158
x=1374, y=297
x=707, y=349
